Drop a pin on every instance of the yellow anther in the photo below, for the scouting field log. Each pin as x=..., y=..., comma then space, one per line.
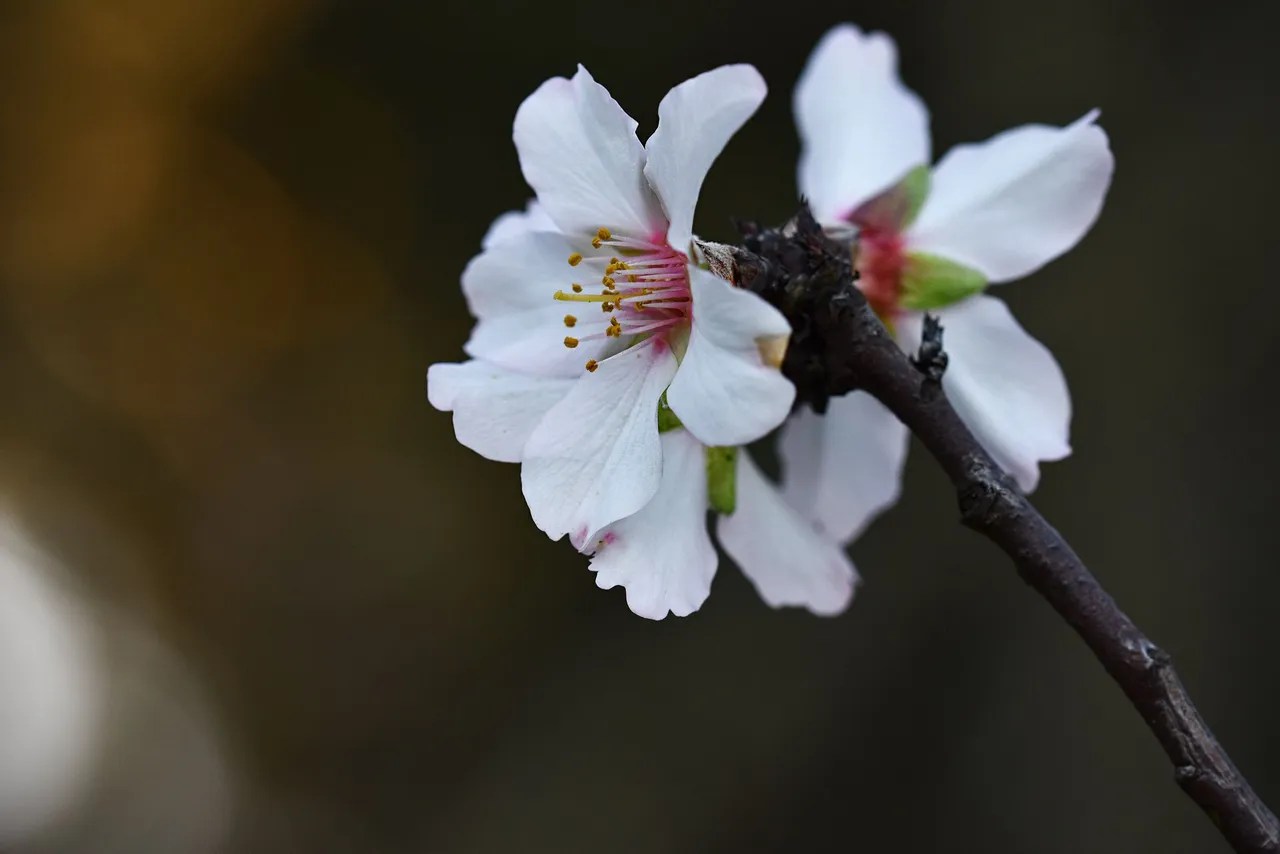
x=607, y=306
x=592, y=365
x=611, y=269
x=575, y=259
x=632, y=279
x=607, y=282
x=603, y=234
x=577, y=288
x=570, y=342
x=614, y=331
x=570, y=321
x=595, y=241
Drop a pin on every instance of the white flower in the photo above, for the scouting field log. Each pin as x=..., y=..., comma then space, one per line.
x=989, y=212
x=663, y=554
x=589, y=310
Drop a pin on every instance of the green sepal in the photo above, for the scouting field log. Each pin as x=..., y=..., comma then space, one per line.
x=930, y=282
x=915, y=189
x=897, y=207
x=667, y=419
x=722, y=479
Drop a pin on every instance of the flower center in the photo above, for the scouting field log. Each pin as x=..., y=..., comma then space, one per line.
x=643, y=289
x=881, y=261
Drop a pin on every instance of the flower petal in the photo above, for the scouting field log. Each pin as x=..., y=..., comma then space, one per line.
x=579, y=152
x=663, y=554
x=1003, y=383
x=861, y=130
x=842, y=469
x=695, y=121
x=788, y=561
x=515, y=223
x=596, y=458
x=494, y=410
x=511, y=288
x=724, y=392
x=1011, y=204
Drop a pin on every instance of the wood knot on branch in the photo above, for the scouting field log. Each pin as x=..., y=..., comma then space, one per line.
x=988, y=497
x=809, y=276
x=931, y=359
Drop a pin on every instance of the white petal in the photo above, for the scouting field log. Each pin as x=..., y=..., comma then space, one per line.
x=579, y=152
x=663, y=554
x=788, y=561
x=842, y=469
x=695, y=121
x=724, y=392
x=596, y=458
x=1011, y=204
x=861, y=130
x=494, y=410
x=1003, y=383
x=511, y=288
x=515, y=223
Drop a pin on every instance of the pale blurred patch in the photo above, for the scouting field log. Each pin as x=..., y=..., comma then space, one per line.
x=51, y=692
x=109, y=741
x=164, y=782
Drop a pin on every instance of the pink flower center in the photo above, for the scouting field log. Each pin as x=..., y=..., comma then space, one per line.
x=881, y=260
x=643, y=289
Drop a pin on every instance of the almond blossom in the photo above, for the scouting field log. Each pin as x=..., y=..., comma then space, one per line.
x=933, y=240
x=596, y=322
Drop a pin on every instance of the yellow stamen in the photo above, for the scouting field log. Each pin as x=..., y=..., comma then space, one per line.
x=592, y=365
x=577, y=288
x=570, y=321
x=595, y=241
x=607, y=306
x=607, y=282
x=575, y=259
x=563, y=297
x=570, y=342
x=603, y=233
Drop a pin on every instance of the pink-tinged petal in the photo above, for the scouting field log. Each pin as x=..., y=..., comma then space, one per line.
x=578, y=150
x=695, y=121
x=724, y=393
x=860, y=128
x=515, y=223
x=1011, y=204
x=596, y=458
x=842, y=469
x=494, y=410
x=663, y=554
x=786, y=559
x=511, y=288
x=1005, y=384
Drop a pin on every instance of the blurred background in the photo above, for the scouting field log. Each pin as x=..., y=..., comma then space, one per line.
x=254, y=597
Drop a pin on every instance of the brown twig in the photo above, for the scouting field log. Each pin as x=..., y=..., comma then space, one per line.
x=839, y=345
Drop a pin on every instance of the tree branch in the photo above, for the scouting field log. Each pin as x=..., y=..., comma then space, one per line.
x=840, y=345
